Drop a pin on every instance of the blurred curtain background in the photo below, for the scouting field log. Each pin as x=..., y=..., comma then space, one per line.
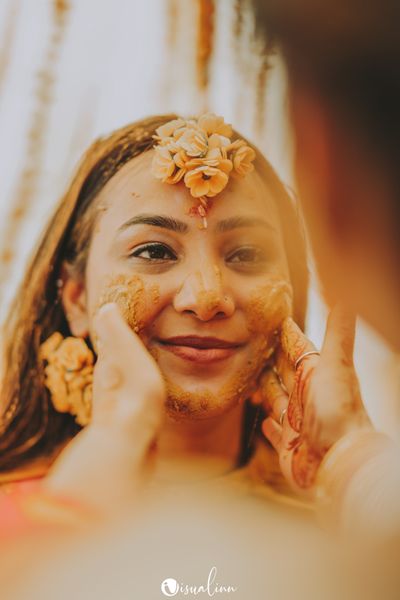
x=72, y=70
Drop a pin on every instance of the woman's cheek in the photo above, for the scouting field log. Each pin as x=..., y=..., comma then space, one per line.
x=268, y=305
x=137, y=301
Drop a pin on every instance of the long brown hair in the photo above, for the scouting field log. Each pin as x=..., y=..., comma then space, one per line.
x=31, y=427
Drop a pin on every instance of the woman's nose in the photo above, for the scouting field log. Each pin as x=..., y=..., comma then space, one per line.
x=202, y=295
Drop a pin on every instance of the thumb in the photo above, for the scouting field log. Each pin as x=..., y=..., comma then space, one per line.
x=120, y=346
x=111, y=329
x=339, y=336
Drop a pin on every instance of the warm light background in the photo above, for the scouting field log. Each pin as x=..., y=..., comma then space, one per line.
x=71, y=70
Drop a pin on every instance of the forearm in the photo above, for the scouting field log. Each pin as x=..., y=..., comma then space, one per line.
x=101, y=468
x=358, y=485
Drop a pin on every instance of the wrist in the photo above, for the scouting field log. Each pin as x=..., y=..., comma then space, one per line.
x=101, y=467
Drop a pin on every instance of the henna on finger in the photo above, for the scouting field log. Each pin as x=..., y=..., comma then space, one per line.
x=275, y=398
x=305, y=464
x=293, y=341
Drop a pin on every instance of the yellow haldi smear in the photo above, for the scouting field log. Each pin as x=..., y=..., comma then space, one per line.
x=204, y=403
x=269, y=305
x=130, y=295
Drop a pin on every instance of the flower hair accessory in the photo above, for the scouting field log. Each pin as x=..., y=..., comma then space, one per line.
x=200, y=152
x=69, y=375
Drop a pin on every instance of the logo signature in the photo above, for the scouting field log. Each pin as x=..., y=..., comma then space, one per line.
x=171, y=587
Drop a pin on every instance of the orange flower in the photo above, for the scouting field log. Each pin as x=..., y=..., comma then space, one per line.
x=50, y=345
x=165, y=131
x=210, y=123
x=194, y=142
x=73, y=354
x=163, y=165
x=69, y=375
x=243, y=160
x=205, y=181
x=218, y=141
x=214, y=158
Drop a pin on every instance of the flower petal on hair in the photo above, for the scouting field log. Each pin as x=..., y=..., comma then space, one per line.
x=218, y=141
x=243, y=160
x=169, y=128
x=176, y=178
x=194, y=142
x=210, y=123
x=163, y=164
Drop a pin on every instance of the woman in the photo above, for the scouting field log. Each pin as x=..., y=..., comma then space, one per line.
x=204, y=270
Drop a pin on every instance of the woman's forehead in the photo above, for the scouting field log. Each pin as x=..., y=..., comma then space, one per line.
x=134, y=189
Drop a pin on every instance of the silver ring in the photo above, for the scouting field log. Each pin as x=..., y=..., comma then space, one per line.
x=303, y=356
x=282, y=416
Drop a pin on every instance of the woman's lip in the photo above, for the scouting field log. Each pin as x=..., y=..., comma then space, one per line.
x=200, y=349
x=200, y=355
x=201, y=343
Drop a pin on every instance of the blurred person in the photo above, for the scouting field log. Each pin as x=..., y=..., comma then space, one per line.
x=343, y=64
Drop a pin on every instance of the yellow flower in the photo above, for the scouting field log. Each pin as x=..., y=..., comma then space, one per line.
x=54, y=380
x=176, y=177
x=180, y=160
x=214, y=158
x=243, y=160
x=163, y=165
x=205, y=181
x=218, y=141
x=210, y=123
x=194, y=142
x=50, y=345
x=165, y=131
x=73, y=354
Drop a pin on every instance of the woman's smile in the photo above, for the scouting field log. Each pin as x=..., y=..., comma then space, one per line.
x=200, y=349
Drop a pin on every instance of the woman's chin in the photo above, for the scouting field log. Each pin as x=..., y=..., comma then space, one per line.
x=197, y=400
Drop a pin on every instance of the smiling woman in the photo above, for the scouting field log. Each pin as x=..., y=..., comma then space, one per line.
x=207, y=303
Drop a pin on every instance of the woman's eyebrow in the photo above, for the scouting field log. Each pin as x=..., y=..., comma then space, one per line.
x=237, y=222
x=156, y=221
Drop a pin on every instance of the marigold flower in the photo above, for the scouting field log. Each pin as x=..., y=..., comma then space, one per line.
x=73, y=354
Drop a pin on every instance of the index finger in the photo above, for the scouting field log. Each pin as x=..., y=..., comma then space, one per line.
x=293, y=342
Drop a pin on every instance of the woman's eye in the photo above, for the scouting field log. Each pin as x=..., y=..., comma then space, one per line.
x=154, y=252
x=247, y=255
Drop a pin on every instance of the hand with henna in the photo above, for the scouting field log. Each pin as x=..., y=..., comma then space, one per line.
x=312, y=399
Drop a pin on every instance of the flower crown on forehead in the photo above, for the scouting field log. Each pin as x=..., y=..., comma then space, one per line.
x=202, y=154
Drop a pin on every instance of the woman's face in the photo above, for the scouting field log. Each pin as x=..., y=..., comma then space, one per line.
x=206, y=302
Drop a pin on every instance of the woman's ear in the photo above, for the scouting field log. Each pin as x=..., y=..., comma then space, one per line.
x=73, y=298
